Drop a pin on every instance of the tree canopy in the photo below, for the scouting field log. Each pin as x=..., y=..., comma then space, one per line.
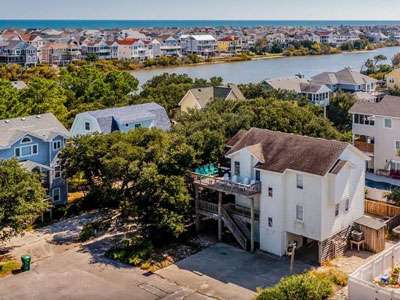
x=22, y=198
x=141, y=172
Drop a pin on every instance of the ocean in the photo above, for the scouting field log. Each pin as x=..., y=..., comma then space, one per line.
x=109, y=24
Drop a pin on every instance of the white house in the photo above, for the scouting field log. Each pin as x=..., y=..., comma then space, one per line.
x=202, y=44
x=289, y=188
x=376, y=131
x=316, y=93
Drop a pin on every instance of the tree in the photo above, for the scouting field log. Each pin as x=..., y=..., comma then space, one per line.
x=338, y=110
x=45, y=95
x=22, y=198
x=208, y=130
x=396, y=60
x=142, y=172
x=10, y=105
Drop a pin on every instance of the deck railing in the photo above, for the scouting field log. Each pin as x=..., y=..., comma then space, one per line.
x=364, y=146
x=227, y=186
x=242, y=211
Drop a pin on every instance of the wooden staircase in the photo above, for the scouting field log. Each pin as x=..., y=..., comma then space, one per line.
x=238, y=229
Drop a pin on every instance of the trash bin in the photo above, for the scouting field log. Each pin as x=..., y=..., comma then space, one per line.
x=26, y=263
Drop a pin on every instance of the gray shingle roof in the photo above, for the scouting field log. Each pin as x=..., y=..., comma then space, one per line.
x=207, y=94
x=345, y=76
x=45, y=126
x=281, y=151
x=388, y=106
x=128, y=114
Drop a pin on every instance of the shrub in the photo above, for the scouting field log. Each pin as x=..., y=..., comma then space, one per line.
x=302, y=286
x=333, y=275
x=134, y=251
x=92, y=229
x=8, y=267
x=394, y=196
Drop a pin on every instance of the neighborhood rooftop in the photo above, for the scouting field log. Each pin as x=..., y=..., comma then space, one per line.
x=128, y=114
x=345, y=76
x=388, y=106
x=280, y=151
x=45, y=126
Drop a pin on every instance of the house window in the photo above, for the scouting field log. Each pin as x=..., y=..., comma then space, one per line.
x=56, y=194
x=25, y=151
x=397, y=146
x=26, y=140
x=56, y=145
x=270, y=192
x=299, y=212
x=87, y=126
x=269, y=221
x=364, y=119
x=237, y=168
x=347, y=205
x=138, y=125
x=258, y=176
x=387, y=123
x=337, y=206
x=299, y=181
x=57, y=172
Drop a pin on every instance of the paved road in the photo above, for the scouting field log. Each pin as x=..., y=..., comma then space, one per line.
x=64, y=269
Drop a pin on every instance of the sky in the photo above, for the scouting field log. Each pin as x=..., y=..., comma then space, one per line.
x=202, y=9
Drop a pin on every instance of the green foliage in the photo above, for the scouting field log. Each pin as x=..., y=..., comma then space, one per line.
x=394, y=196
x=9, y=266
x=22, y=198
x=142, y=172
x=208, y=130
x=133, y=251
x=299, y=287
x=338, y=110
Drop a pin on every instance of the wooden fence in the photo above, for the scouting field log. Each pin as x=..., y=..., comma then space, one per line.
x=382, y=209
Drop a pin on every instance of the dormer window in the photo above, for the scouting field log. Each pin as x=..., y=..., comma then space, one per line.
x=26, y=140
x=87, y=126
x=56, y=145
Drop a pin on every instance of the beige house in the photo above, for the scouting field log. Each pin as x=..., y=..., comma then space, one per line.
x=393, y=79
x=376, y=131
x=199, y=98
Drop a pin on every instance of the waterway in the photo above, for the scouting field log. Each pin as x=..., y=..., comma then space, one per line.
x=258, y=70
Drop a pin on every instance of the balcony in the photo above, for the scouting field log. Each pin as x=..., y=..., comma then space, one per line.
x=364, y=146
x=228, y=185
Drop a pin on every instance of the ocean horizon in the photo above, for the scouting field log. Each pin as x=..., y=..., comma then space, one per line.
x=110, y=24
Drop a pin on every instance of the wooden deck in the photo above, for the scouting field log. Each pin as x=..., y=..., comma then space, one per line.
x=227, y=186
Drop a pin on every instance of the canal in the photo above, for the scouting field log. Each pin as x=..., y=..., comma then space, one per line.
x=258, y=70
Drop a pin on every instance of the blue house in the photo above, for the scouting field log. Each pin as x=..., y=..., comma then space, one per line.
x=122, y=119
x=36, y=142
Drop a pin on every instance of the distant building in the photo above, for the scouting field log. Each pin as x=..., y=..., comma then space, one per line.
x=18, y=52
x=36, y=142
x=122, y=119
x=202, y=44
x=393, y=79
x=376, y=131
x=346, y=80
x=316, y=93
x=199, y=98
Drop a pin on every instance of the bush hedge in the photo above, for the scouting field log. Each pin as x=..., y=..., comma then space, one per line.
x=306, y=286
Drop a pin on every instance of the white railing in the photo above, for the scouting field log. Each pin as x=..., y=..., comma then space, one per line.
x=361, y=285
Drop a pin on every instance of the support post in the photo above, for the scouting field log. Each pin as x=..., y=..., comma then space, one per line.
x=196, y=205
x=219, y=216
x=252, y=225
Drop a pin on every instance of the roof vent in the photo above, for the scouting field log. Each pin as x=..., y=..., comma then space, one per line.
x=23, y=119
x=7, y=121
x=38, y=117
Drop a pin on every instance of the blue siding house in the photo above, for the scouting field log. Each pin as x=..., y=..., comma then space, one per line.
x=36, y=141
x=122, y=119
